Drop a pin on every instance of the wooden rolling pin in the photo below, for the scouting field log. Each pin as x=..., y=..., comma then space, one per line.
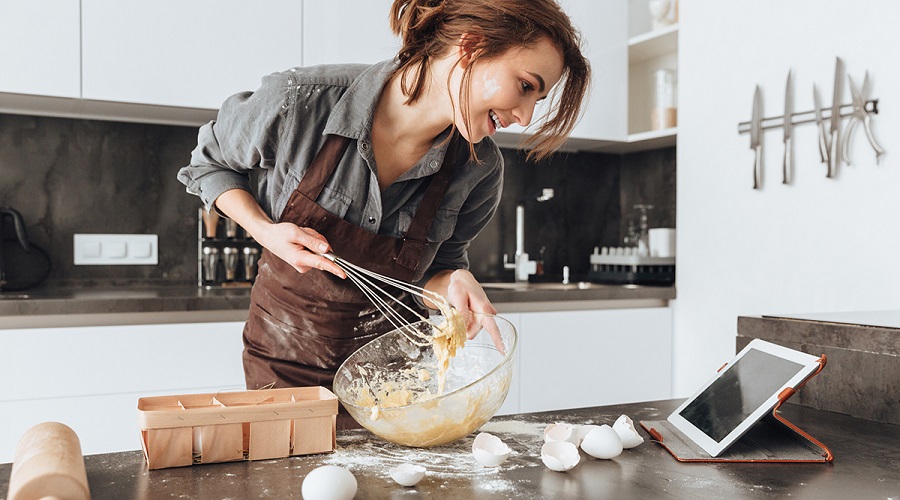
x=48, y=464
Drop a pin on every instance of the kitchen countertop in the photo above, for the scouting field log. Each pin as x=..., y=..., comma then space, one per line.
x=867, y=465
x=98, y=305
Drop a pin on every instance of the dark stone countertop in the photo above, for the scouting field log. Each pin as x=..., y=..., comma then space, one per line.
x=866, y=465
x=108, y=299
x=862, y=348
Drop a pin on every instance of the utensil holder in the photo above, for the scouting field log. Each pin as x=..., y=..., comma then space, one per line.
x=230, y=246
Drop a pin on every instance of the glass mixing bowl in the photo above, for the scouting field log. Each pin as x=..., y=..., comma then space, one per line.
x=477, y=382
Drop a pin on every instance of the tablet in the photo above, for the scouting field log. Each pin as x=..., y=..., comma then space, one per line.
x=740, y=394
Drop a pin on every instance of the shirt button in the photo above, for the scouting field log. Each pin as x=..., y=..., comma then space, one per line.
x=371, y=220
x=364, y=145
x=433, y=164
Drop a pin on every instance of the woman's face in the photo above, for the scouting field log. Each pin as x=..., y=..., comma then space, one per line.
x=505, y=89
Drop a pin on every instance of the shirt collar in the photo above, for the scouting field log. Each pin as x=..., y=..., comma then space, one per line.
x=352, y=114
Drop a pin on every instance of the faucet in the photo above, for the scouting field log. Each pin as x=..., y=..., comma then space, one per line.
x=521, y=264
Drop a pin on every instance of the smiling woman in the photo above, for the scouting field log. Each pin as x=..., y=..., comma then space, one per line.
x=390, y=167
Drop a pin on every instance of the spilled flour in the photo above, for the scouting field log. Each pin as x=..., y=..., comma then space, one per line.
x=359, y=450
x=452, y=465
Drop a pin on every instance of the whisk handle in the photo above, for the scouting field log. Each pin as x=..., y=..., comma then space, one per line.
x=330, y=256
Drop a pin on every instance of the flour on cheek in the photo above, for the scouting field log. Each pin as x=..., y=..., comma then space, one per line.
x=490, y=87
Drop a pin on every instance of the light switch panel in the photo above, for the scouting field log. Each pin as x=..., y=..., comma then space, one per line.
x=116, y=249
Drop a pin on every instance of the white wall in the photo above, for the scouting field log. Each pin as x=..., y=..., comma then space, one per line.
x=818, y=245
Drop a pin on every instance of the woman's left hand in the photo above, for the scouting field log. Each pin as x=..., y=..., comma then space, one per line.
x=467, y=296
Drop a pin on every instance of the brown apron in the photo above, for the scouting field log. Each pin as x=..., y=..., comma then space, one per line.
x=302, y=326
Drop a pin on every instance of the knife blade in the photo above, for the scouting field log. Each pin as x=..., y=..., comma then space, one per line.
x=833, y=157
x=786, y=169
x=820, y=126
x=755, y=129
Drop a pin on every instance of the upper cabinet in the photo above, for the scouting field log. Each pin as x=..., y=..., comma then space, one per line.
x=652, y=74
x=347, y=31
x=175, y=62
x=604, y=32
x=39, y=48
x=185, y=54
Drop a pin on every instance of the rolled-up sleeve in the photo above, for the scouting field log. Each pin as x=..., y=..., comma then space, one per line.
x=242, y=138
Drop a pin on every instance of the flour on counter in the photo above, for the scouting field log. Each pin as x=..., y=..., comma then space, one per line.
x=361, y=451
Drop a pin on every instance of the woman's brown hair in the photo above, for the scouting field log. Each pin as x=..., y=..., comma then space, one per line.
x=429, y=28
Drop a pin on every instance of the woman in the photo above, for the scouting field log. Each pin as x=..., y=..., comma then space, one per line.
x=390, y=167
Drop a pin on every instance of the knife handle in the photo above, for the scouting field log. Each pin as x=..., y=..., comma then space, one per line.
x=787, y=167
x=757, y=167
x=833, y=154
x=823, y=145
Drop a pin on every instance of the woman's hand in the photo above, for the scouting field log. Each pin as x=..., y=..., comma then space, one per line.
x=467, y=296
x=301, y=247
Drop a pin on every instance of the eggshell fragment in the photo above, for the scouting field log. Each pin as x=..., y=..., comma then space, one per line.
x=560, y=455
x=561, y=432
x=603, y=443
x=329, y=482
x=407, y=474
x=583, y=431
x=624, y=427
x=489, y=450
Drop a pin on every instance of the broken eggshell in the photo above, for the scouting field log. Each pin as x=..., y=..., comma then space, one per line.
x=602, y=442
x=561, y=432
x=583, y=431
x=407, y=474
x=560, y=455
x=624, y=427
x=489, y=450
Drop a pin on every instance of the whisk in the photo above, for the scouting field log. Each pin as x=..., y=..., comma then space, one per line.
x=369, y=283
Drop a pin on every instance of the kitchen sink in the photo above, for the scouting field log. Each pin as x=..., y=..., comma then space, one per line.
x=534, y=287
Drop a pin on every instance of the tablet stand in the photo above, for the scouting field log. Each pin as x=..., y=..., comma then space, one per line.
x=772, y=439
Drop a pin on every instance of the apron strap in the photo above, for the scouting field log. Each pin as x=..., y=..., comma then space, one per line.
x=324, y=164
x=434, y=195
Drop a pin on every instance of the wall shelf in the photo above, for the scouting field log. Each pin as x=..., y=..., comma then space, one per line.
x=653, y=44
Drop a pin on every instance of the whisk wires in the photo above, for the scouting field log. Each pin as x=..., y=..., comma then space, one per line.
x=368, y=282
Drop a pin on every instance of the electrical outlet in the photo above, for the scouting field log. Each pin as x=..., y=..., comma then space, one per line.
x=116, y=249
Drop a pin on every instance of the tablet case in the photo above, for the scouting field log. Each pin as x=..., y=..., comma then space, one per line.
x=772, y=439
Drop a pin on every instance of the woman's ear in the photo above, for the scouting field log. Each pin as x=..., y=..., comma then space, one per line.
x=467, y=48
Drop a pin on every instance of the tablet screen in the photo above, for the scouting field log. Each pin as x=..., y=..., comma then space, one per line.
x=738, y=392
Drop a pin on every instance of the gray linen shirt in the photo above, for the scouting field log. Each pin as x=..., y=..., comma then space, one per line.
x=279, y=128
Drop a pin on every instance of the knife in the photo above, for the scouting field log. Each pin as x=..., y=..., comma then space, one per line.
x=833, y=157
x=786, y=169
x=755, y=126
x=820, y=126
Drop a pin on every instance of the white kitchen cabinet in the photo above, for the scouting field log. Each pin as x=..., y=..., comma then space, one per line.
x=604, y=30
x=574, y=359
x=90, y=378
x=511, y=405
x=39, y=47
x=186, y=54
x=347, y=31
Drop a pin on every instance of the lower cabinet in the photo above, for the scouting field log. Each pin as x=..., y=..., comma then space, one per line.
x=576, y=359
x=90, y=378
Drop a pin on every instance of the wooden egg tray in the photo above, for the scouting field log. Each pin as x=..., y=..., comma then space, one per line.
x=193, y=429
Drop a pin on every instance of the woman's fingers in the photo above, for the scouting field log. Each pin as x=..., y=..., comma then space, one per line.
x=302, y=248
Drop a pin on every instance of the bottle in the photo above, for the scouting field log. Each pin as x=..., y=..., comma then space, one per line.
x=665, y=111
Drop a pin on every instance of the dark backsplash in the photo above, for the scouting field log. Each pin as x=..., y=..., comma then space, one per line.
x=70, y=176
